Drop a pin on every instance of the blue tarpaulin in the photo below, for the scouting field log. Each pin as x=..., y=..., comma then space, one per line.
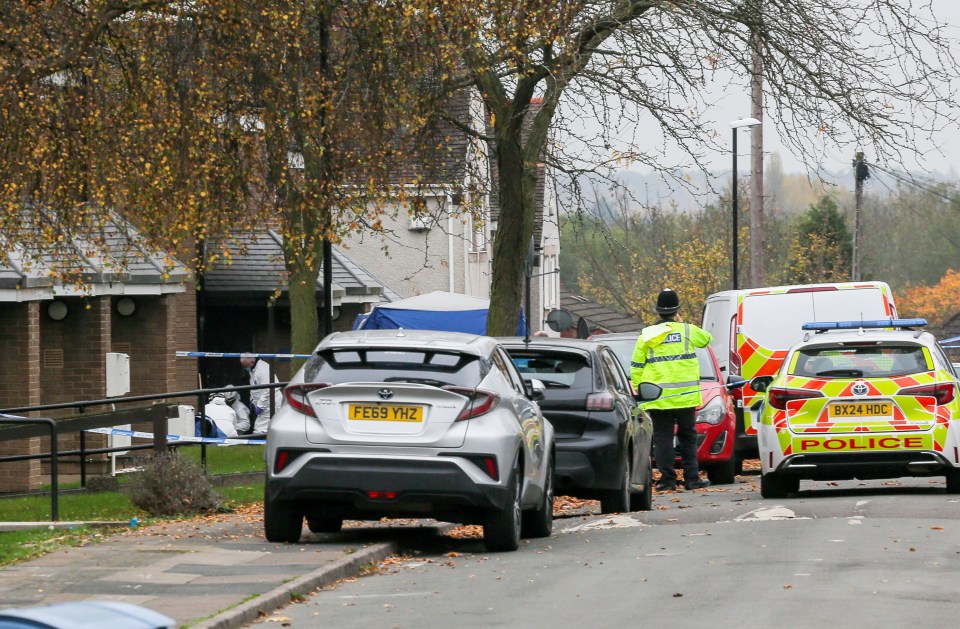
x=450, y=312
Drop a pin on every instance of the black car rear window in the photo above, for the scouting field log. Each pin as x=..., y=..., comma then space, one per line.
x=395, y=365
x=861, y=361
x=559, y=371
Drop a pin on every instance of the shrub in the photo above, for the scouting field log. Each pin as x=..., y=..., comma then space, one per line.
x=172, y=485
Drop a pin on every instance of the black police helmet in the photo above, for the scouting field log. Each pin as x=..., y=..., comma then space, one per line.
x=667, y=302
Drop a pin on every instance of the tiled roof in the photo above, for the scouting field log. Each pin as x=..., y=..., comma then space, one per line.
x=599, y=316
x=441, y=158
x=126, y=262
x=256, y=265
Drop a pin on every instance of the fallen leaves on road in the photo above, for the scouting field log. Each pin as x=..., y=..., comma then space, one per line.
x=562, y=505
x=466, y=531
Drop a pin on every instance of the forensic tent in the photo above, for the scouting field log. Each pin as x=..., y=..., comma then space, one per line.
x=439, y=310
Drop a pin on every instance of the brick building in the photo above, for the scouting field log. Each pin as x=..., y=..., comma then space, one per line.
x=55, y=337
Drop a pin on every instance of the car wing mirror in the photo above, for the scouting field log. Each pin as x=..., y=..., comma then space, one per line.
x=761, y=383
x=648, y=392
x=536, y=390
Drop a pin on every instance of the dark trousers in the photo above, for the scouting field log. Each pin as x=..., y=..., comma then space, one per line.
x=664, y=421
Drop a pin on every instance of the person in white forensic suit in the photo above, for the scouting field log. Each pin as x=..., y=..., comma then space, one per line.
x=242, y=420
x=220, y=413
x=260, y=398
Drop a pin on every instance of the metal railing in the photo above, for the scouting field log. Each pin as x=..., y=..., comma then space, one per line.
x=14, y=428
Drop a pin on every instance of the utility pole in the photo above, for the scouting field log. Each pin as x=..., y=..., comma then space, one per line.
x=757, y=234
x=860, y=174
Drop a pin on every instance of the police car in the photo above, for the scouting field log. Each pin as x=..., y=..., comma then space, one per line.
x=859, y=399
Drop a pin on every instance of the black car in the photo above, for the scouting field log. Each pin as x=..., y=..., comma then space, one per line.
x=602, y=435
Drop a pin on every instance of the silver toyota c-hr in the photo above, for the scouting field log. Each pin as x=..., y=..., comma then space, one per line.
x=395, y=423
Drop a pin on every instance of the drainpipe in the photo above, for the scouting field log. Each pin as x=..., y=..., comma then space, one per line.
x=449, y=202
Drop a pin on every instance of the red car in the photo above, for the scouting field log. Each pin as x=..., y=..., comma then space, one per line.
x=716, y=421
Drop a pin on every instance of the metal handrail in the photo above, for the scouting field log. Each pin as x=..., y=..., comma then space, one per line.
x=54, y=498
x=160, y=441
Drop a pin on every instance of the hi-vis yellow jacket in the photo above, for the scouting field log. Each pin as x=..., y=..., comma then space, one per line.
x=665, y=355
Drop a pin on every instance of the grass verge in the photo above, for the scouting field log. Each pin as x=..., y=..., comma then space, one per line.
x=18, y=546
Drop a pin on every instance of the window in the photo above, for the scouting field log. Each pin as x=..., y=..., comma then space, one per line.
x=395, y=365
x=614, y=372
x=420, y=218
x=509, y=371
x=707, y=371
x=560, y=372
x=478, y=236
x=864, y=361
x=774, y=321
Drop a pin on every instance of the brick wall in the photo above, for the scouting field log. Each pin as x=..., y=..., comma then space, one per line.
x=182, y=336
x=142, y=336
x=73, y=366
x=20, y=386
x=49, y=362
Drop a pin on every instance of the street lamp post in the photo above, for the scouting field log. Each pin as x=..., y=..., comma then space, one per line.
x=736, y=124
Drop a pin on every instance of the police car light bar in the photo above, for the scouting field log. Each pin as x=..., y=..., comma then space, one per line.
x=821, y=326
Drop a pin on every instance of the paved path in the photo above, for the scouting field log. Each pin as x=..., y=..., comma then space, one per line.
x=213, y=572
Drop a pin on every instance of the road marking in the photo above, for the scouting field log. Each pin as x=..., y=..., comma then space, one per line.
x=768, y=514
x=355, y=596
x=607, y=522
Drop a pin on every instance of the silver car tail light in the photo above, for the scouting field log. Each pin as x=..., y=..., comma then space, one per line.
x=480, y=402
x=296, y=396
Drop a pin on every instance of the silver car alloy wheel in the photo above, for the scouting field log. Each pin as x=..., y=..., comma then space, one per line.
x=517, y=512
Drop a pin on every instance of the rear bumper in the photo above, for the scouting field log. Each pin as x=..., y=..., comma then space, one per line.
x=865, y=465
x=422, y=486
x=591, y=462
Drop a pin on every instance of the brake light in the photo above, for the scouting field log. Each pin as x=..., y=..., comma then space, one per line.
x=296, y=396
x=600, y=402
x=480, y=402
x=813, y=289
x=382, y=495
x=737, y=394
x=943, y=392
x=778, y=396
x=283, y=459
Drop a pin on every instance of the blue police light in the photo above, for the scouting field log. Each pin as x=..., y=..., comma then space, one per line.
x=821, y=326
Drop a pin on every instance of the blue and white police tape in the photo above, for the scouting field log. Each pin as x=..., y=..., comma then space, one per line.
x=237, y=355
x=149, y=435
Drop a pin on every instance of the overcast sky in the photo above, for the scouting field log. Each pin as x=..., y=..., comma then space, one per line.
x=735, y=104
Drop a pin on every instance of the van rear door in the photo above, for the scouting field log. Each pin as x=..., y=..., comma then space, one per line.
x=717, y=316
x=770, y=322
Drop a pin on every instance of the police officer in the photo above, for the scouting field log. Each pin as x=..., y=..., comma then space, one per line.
x=665, y=355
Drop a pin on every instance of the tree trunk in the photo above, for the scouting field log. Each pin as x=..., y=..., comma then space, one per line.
x=517, y=183
x=303, y=309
